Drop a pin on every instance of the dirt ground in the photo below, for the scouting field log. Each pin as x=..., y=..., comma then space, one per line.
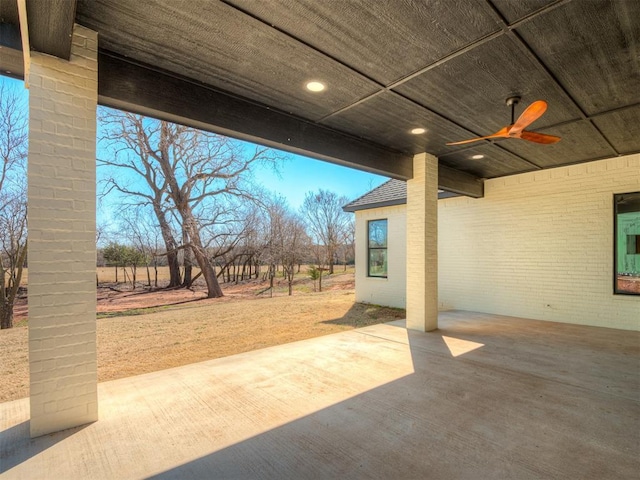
x=140, y=332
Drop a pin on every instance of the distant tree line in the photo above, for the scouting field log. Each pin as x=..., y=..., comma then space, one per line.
x=273, y=240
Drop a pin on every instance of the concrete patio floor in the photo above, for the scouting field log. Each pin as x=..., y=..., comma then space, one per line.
x=484, y=397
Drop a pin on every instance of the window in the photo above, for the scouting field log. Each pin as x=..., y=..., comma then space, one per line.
x=633, y=244
x=626, y=245
x=377, y=235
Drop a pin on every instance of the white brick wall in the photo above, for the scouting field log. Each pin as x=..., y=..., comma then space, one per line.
x=539, y=245
x=62, y=196
x=388, y=291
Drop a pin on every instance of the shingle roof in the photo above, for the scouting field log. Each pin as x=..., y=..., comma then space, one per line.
x=393, y=192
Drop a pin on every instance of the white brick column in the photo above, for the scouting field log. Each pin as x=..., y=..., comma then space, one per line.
x=62, y=258
x=422, y=244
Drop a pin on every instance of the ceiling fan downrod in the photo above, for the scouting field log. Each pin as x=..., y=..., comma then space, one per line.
x=512, y=102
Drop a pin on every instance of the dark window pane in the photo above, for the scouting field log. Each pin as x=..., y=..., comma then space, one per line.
x=378, y=262
x=378, y=234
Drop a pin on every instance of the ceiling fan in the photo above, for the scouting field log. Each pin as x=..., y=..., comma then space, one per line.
x=517, y=128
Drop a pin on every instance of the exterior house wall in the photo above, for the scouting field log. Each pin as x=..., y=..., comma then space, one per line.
x=539, y=245
x=390, y=291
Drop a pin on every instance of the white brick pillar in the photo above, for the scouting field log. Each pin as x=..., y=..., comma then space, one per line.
x=62, y=257
x=422, y=244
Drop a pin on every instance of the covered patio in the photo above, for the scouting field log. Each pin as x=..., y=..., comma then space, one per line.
x=402, y=80
x=485, y=396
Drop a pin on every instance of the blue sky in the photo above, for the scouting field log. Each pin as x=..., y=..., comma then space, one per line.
x=298, y=175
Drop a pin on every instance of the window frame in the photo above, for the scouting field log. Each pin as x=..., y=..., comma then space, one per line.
x=385, y=248
x=617, y=197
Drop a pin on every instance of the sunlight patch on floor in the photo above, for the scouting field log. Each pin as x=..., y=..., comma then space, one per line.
x=459, y=347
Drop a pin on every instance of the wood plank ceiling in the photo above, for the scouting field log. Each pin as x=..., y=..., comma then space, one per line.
x=390, y=66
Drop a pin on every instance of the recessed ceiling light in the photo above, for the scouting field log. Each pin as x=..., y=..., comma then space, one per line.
x=477, y=157
x=316, y=86
x=418, y=131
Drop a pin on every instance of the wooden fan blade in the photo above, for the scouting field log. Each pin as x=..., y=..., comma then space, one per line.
x=539, y=137
x=502, y=133
x=530, y=115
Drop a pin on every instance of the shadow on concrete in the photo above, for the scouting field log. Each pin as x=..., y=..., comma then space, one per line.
x=362, y=314
x=497, y=410
x=482, y=397
x=16, y=445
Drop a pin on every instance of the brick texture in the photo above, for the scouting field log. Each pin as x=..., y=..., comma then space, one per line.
x=539, y=245
x=422, y=252
x=62, y=196
x=390, y=291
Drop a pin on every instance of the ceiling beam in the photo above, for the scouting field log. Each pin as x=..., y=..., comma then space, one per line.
x=24, y=36
x=139, y=89
x=51, y=26
x=143, y=90
x=456, y=181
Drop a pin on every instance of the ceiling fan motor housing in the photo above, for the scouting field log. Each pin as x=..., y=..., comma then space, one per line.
x=511, y=101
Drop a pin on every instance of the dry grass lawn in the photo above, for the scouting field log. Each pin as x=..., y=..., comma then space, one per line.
x=177, y=335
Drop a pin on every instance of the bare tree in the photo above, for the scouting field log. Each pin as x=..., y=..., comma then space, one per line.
x=327, y=222
x=124, y=133
x=143, y=234
x=235, y=242
x=347, y=248
x=188, y=172
x=285, y=240
x=294, y=246
x=13, y=253
x=13, y=199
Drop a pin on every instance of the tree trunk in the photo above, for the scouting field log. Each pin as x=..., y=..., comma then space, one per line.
x=188, y=269
x=9, y=292
x=271, y=277
x=290, y=275
x=189, y=223
x=209, y=274
x=6, y=315
x=175, y=279
x=244, y=269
